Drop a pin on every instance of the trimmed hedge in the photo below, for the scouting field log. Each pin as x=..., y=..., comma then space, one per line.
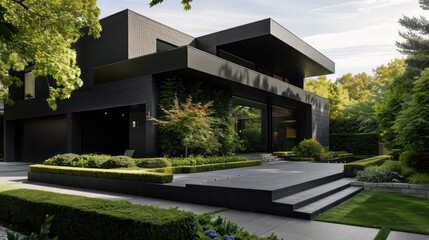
x=131, y=175
x=287, y=153
x=356, y=143
x=198, y=160
x=119, y=162
x=79, y=217
x=215, y=166
x=361, y=164
x=152, y=162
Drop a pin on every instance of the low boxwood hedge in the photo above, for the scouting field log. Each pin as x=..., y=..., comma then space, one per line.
x=361, y=164
x=215, y=166
x=132, y=175
x=152, y=162
x=79, y=217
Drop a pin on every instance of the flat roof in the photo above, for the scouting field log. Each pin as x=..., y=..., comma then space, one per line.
x=267, y=42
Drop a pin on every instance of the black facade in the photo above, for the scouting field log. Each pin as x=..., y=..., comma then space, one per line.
x=259, y=62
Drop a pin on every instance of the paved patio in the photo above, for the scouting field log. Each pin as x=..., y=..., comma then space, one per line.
x=256, y=223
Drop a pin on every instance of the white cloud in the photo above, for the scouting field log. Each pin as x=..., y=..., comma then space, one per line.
x=382, y=34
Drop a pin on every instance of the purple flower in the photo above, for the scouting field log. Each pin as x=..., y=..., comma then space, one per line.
x=226, y=237
x=211, y=233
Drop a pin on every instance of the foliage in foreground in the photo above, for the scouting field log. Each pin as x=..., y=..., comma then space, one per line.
x=108, y=219
x=42, y=235
x=375, y=209
x=45, y=32
x=222, y=227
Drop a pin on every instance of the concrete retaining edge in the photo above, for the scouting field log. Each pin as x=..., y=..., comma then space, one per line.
x=416, y=190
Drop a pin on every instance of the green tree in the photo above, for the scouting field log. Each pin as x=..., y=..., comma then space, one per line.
x=416, y=44
x=42, y=38
x=191, y=124
x=412, y=124
x=186, y=3
x=385, y=74
x=398, y=93
x=360, y=86
x=338, y=97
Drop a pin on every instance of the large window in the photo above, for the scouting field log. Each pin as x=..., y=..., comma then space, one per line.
x=162, y=46
x=250, y=124
x=29, y=85
x=284, y=126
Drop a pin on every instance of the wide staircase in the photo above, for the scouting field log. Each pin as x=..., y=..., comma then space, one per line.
x=310, y=199
x=307, y=199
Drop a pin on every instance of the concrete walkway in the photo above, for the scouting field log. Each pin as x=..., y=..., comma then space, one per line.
x=256, y=223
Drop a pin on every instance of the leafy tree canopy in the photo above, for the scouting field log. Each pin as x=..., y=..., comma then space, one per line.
x=186, y=3
x=40, y=35
x=412, y=124
x=191, y=123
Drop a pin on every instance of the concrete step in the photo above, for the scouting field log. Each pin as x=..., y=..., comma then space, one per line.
x=306, y=197
x=304, y=186
x=311, y=210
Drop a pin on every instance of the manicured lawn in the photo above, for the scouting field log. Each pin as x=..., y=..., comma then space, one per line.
x=380, y=209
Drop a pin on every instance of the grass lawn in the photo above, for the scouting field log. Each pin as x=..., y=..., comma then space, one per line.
x=380, y=209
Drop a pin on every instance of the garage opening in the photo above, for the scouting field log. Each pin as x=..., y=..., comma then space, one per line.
x=105, y=131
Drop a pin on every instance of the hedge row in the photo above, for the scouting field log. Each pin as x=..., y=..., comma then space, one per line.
x=132, y=175
x=215, y=166
x=206, y=167
x=361, y=164
x=356, y=143
x=79, y=217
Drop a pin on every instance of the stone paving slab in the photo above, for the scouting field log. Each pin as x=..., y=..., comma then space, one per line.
x=268, y=176
x=406, y=236
x=296, y=229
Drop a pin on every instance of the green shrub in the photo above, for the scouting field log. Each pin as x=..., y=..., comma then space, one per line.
x=344, y=155
x=374, y=174
x=65, y=159
x=361, y=164
x=93, y=160
x=416, y=160
x=215, y=166
x=328, y=155
x=419, y=178
x=153, y=163
x=286, y=153
x=396, y=166
x=356, y=143
x=131, y=175
x=310, y=148
x=198, y=160
x=79, y=217
x=119, y=162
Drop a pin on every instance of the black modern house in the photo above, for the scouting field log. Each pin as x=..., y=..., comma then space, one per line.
x=261, y=63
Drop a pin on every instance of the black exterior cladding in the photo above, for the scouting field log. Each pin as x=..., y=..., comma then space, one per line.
x=120, y=69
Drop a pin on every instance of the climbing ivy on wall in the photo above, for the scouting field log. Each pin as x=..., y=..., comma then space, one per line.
x=203, y=92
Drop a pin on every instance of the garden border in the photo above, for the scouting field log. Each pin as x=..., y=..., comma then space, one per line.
x=415, y=190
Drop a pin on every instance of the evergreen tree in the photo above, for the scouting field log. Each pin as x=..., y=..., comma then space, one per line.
x=416, y=44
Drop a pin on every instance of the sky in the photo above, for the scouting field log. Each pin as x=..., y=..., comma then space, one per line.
x=358, y=35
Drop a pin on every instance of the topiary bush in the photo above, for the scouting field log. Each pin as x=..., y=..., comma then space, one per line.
x=153, y=163
x=416, y=160
x=310, y=148
x=374, y=174
x=119, y=162
x=396, y=166
x=92, y=160
x=65, y=159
